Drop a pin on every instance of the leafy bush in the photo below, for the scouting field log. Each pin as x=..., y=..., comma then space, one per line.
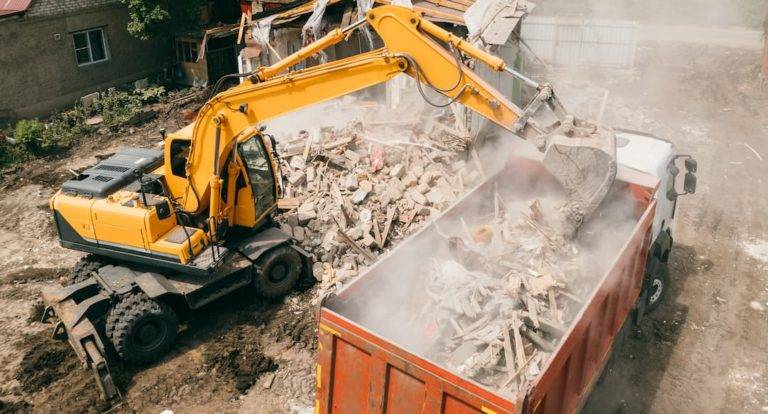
x=9, y=152
x=64, y=129
x=29, y=135
x=33, y=137
x=117, y=107
x=151, y=95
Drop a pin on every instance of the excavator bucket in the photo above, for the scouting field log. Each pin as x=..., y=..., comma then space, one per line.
x=584, y=162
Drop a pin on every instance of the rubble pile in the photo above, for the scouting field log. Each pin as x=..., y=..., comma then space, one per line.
x=505, y=297
x=350, y=195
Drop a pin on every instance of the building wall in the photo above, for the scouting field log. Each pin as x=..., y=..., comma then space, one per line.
x=38, y=65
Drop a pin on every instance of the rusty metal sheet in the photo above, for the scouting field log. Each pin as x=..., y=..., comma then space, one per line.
x=11, y=7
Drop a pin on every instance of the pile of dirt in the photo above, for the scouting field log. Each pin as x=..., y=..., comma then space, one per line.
x=44, y=362
x=237, y=356
x=34, y=274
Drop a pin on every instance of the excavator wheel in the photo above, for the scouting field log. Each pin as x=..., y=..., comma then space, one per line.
x=141, y=329
x=279, y=271
x=85, y=267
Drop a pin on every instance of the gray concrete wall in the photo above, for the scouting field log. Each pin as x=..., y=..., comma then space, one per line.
x=38, y=69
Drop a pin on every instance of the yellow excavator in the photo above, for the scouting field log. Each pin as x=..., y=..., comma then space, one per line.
x=170, y=231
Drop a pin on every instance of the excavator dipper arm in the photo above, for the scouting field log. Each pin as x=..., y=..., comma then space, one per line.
x=412, y=45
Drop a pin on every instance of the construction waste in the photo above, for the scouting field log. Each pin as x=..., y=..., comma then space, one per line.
x=351, y=196
x=505, y=297
x=493, y=294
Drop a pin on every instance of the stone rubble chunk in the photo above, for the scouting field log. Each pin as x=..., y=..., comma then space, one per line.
x=311, y=173
x=368, y=240
x=297, y=163
x=355, y=233
x=397, y=171
x=417, y=197
x=359, y=196
x=366, y=186
x=409, y=180
x=436, y=196
x=306, y=212
x=350, y=182
x=297, y=178
x=299, y=233
x=352, y=156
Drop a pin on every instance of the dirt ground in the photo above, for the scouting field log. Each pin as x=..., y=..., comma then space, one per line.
x=702, y=351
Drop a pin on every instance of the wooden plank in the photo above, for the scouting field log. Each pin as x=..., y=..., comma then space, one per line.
x=508, y=355
x=519, y=347
x=376, y=232
x=390, y=216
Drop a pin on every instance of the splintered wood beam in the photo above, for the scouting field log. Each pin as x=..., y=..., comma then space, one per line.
x=508, y=354
x=553, y=305
x=519, y=346
x=390, y=216
x=376, y=232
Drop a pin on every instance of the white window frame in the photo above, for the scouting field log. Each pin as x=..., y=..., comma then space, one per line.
x=89, y=47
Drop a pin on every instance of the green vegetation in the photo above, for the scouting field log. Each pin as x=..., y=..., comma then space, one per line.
x=162, y=18
x=34, y=138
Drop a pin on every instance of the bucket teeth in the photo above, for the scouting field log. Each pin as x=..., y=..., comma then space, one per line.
x=59, y=331
x=48, y=313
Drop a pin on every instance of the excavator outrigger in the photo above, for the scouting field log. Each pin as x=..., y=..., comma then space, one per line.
x=170, y=231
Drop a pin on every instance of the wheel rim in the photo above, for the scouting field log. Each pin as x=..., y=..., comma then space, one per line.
x=149, y=334
x=656, y=290
x=278, y=273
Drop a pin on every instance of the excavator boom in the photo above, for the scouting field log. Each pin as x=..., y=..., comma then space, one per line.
x=580, y=155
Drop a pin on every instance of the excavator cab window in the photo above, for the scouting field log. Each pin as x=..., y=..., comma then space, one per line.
x=179, y=154
x=260, y=173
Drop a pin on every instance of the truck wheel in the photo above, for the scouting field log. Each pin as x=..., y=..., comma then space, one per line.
x=657, y=288
x=141, y=329
x=85, y=267
x=280, y=269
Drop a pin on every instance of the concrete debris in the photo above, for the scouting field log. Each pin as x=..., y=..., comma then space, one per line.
x=354, y=196
x=500, y=300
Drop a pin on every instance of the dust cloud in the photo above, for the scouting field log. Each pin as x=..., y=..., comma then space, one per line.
x=405, y=296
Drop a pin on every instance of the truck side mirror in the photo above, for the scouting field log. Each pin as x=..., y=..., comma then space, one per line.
x=691, y=166
x=689, y=185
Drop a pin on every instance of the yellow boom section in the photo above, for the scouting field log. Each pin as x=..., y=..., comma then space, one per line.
x=409, y=48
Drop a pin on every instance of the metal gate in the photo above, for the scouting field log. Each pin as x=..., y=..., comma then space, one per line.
x=576, y=41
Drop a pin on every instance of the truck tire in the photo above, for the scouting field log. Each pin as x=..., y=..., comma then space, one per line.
x=280, y=269
x=141, y=329
x=85, y=267
x=657, y=287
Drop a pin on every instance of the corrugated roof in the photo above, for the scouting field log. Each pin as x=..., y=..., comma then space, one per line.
x=10, y=7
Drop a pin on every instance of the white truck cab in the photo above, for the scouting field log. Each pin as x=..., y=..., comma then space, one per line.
x=658, y=157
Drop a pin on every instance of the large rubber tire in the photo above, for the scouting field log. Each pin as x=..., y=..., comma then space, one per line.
x=280, y=270
x=85, y=267
x=141, y=329
x=657, y=288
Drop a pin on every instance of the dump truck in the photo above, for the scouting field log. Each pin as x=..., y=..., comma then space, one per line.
x=170, y=230
x=376, y=341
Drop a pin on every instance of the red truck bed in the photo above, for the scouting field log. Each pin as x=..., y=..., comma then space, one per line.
x=359, y=370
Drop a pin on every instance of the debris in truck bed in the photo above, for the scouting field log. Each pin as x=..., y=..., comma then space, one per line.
x=497, y=298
